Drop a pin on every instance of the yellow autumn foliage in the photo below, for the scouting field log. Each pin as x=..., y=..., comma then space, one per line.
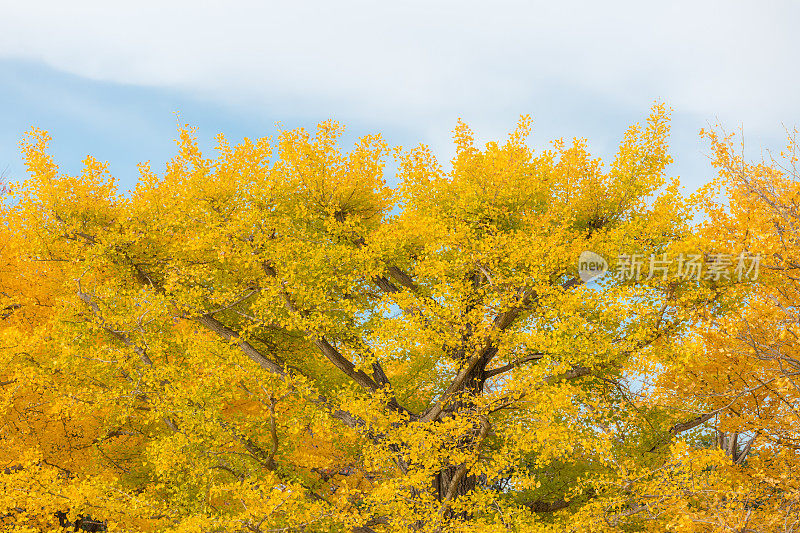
x=279, y=336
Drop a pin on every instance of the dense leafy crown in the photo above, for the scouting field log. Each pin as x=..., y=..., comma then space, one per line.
x=279, y=338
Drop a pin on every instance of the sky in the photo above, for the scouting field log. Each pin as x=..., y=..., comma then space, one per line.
x=113, y=79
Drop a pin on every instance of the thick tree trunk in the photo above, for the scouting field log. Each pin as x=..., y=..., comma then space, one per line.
x=449, y=483
x=444, y=479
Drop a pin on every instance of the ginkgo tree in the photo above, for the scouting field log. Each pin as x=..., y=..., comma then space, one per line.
x=280, y=337
x=739, y=370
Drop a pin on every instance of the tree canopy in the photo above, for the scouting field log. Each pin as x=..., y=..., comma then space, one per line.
x=282, y=337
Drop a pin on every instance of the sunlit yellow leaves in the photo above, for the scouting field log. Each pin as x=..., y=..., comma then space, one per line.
x=278, y=335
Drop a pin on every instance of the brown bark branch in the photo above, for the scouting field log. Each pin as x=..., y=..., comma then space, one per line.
x=87, y=298
x=248, y=349
x=514, y=364
x=271, y=366
x=333, y=355
x=461, y=472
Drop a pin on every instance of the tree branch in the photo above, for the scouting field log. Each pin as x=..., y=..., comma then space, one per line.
x=514, y=364
x=249, y=350
x=333, y=355
x=461, y=471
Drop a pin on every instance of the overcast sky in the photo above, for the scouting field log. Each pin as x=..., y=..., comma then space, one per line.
x=106, y=77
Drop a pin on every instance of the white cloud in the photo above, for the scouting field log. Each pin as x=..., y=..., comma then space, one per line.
x=426, y=59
